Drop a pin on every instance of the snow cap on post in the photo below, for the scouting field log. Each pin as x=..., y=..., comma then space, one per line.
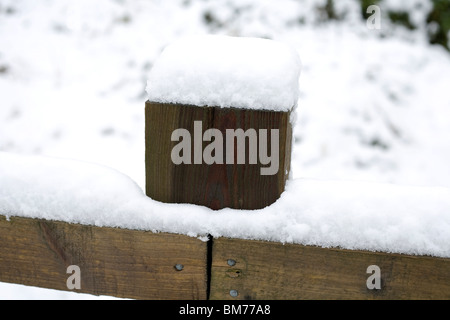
x=224, y=71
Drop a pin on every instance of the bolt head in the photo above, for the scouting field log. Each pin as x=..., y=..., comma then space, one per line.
x=234, y=293
x=179, y=267
x=231, y=262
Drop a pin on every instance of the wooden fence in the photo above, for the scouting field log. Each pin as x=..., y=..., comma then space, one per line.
x=145, y=265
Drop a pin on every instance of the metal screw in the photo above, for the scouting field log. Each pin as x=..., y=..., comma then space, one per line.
x=179, y=267
x=233, y=293
x=231, y=262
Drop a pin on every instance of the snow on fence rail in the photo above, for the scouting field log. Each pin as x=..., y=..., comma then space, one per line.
x=217, y=220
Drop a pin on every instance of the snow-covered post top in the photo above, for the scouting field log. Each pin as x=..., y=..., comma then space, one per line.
x=218, y=121
x=221, y=71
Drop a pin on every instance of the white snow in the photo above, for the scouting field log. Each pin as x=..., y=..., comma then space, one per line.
x=374, y=106
x=10, y=291
x=224, y=71
x=345, y=214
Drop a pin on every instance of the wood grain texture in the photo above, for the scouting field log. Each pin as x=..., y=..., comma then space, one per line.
x=266, y=270
x=239, y=186
x=115, y=262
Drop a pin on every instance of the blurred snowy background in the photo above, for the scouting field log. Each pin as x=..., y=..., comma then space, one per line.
x=374, y=104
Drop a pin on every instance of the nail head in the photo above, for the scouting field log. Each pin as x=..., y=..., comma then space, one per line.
x=233, y=293
x=179, y=267
x=231, y=262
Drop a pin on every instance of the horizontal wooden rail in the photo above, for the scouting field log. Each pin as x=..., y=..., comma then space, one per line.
x=145, y=265
x=112, y=261
x=268, y=270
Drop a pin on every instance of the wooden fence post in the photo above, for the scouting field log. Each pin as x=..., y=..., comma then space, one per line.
x=232, y=153
x=216, y=185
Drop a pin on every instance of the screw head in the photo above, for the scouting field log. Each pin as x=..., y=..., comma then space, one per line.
x=234, y=293
x=179, y=267
x=231, y=262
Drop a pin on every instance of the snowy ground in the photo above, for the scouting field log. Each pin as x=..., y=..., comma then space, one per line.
x=73, y=76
